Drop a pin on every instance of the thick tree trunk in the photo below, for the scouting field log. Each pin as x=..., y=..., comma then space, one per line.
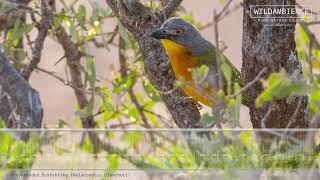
x=25, y=108
x=272, y=47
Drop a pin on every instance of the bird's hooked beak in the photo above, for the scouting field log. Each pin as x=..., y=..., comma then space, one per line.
x=159, y=33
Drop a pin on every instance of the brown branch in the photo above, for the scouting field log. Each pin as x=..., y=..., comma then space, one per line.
x=169, y=8
x=224, y=10
x=266, y=116
x=46, y=18
x=133, y=97
x=65, y=82
x=218, y=53
x=219, y=108
x=73, y=57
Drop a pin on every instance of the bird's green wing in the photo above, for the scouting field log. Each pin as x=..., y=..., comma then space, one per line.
x=209, y=59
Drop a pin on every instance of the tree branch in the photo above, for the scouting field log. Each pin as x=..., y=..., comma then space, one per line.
x=169, y=9
x=27, y=100
x=46, y=18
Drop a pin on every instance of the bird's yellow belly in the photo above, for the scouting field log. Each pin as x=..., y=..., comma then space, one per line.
x=182, y=62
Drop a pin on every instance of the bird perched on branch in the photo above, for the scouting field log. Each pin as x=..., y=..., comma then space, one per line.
x=188, y=50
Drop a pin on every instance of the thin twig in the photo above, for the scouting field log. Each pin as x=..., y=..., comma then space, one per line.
x=218, y=59
x=59, y=60
x=162, y=118
x=170, y=7
x=29, y=41
x=310, y=60
x=265, y=117
x=65, y=82
x=249, y=84
x=294, y=115
x=224, y=9
x=133, y=97
x=218, y=79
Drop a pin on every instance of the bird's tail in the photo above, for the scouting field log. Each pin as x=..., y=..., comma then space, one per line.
x=237, y=78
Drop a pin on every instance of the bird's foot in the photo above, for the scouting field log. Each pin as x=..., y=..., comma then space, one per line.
x=185, y=99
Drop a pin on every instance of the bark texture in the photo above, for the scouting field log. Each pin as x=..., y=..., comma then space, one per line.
x=272, y=47
x=24, y=108
x=140, y=21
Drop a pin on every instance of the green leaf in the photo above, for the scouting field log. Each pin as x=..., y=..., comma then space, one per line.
x=6, y=142
x=91, y=71
x=57, y=21
x=314, y=102
x=98, y=11
x=151, y=92
x=87, y=145
x=280, y=86
x=2, y=123
x=60, y=150
x=133, y=138
x=106, y=100
x=233, y=107
x=199, y=75
x=82, y=15
x=87, y=111
x=113, y=165
x=304, y=36
x=61, y=123
x=208, y=119
x=127, y=37
x=227, y=73
x=22, y=153
x=27, y=28
x=122, y=84
x=91, y=77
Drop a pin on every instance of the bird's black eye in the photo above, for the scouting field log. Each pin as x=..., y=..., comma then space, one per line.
x=179, y=31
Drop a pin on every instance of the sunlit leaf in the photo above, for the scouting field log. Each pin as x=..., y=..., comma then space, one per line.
x=132, y=138
x=151, y=91
x=82, y=15
x=280, y=86
x=113, y=165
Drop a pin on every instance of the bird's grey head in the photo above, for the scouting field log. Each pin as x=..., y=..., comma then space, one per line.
x=182, y=33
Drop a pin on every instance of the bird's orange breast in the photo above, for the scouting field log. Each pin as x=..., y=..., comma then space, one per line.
x=182, y=62
x=180, y=58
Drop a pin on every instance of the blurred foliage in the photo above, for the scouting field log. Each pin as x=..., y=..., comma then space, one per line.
x=17, y=154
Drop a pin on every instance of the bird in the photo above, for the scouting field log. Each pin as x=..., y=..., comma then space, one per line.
x=187, y=50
